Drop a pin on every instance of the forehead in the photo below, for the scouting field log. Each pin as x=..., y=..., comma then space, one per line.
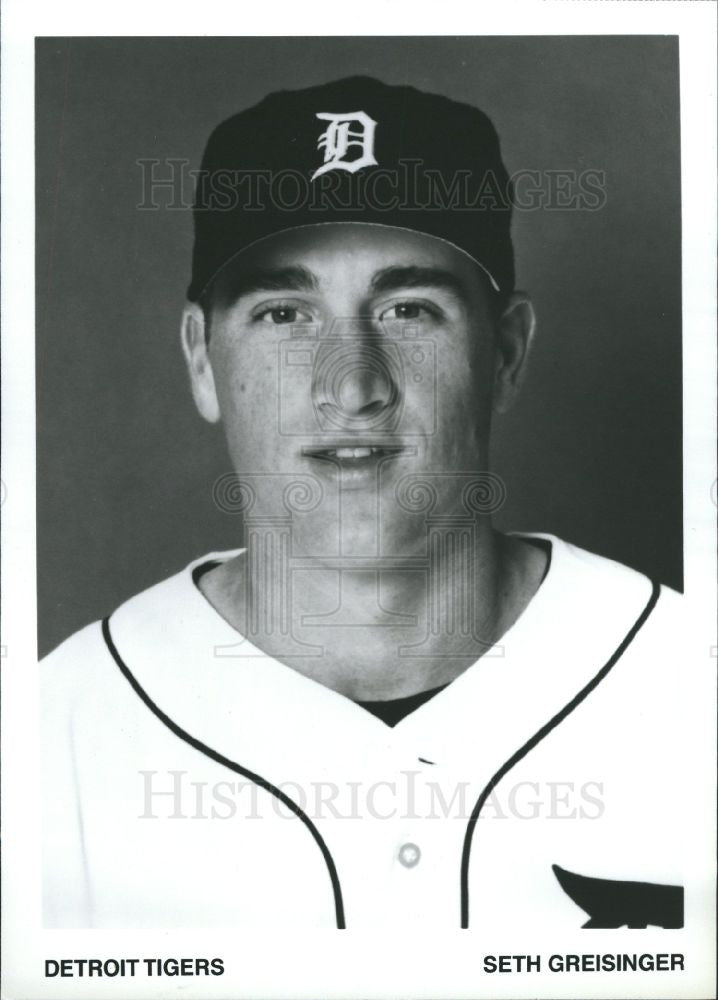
x=354, y=253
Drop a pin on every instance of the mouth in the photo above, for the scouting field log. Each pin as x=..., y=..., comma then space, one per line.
x=354, y=455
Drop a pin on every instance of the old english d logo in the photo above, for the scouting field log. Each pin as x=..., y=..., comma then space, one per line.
x=344, y=134
x=610, y=903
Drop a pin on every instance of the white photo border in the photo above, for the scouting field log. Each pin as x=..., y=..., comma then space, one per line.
x=327, y=964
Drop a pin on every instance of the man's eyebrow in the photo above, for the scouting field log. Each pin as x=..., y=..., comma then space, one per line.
x=391, y=279
x=292, y=278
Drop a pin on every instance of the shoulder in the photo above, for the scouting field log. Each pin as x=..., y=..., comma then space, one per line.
x=661, y=638
x=613, y=584
x=78, y=667
x=600, y=578
x=601, y=604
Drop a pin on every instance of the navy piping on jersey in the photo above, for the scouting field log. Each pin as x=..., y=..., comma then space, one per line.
x=220, y=759
x=537, y=737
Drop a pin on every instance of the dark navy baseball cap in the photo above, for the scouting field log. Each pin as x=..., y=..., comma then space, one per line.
x=354, y=150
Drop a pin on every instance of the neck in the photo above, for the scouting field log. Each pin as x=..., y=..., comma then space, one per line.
x=440, y=571
x=378, y=632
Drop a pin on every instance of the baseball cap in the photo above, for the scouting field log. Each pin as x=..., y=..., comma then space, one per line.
x=354, y=150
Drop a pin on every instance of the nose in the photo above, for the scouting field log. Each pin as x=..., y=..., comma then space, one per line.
x=356, y=383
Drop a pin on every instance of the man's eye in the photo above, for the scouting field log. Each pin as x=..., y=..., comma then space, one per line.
x=280, y=315
x=404, y=311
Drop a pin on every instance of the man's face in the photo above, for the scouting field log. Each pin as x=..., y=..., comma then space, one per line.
x=354, y=354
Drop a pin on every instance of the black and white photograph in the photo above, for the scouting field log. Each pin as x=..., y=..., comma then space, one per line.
x=373, y=598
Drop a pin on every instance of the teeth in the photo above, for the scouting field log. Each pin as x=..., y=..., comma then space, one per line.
x=354, y=452
x=350, y=452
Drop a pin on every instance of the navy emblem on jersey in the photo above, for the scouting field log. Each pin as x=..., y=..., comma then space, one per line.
x=612, y=903
x=344, y=135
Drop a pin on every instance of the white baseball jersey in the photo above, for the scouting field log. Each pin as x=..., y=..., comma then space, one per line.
x=191, y=780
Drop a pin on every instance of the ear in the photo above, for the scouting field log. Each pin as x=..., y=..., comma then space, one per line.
x=196, y=354
x=516, y=328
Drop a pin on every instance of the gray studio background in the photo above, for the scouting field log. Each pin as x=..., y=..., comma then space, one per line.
x=592, y=452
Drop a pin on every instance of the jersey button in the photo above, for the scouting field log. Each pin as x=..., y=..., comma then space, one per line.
x=409, y=855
